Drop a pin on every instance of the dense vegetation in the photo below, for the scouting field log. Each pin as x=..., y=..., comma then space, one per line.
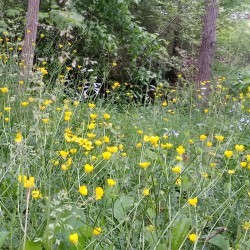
x=109, y=144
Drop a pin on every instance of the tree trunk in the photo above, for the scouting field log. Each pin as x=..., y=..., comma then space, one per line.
x=207, y=47
x=28, y=50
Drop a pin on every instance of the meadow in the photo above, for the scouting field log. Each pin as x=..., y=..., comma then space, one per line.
x=103, y=174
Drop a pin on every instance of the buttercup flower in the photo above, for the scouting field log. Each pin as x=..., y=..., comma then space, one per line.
x=111, y=182
x=36, y=194
x=219, y=138
x=193, y=237
x=176, y=169
x=24, y=104
x=145, y=191
x=4, y=90
x=228, y=153
x=74, y=238
x=97, y=231
x=83, y=190
x=98, y=143
x=203, y=137
x=18, y=138
x=112, y=149
x=64, y=154
x=93, y=116
x=246, y=225
x=180, y=150
x=193, y=201
x=239, y=148
x=243, y=164
x=45, y=120
x=144, y=164
x=231, y=171
x=99, y=192
x=91, y=105
x=106, y=155
x=26, y=182
x=106, y=116
x=91, y=126
x=88, y=168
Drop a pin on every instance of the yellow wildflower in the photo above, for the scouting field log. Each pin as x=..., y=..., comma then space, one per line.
x=219, y=138
x=231, y=171
x=144, y=164
x=203, y=137
x=91, y=135
x=180, y=150
x=91, y=126
x=4, y=90
x=91, y=105
x=88, y=168
x=99, y=192
x=97, y=231
x=145, y=191
x=98, y=143
x=193, y=201
x=36, y=194
x=178, y=182
x=83, y=190
x=246, y=225
x=106, y=155
x=106, y=116
x=176, y=169
x=93, y=116
x=106, y=139
x=243, y=164
x=76, y=103
x=193, y=237
x=64, y=154
x=239, y=148
x=74, y=238
x=73, y=150
x=228, y=153
x=45, y=120
x=19, y=137
x=164, y=104
x=112, y=149
x=111, y=182
x=27, y=182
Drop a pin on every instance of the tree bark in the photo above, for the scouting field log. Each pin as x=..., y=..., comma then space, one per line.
x=207, y=47
x=27, y=55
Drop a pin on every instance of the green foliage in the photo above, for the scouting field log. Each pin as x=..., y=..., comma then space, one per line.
x=3, y=237
x=180, y=232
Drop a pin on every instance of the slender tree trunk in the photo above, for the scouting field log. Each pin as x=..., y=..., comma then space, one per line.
x=28, y=50
x=207, y=47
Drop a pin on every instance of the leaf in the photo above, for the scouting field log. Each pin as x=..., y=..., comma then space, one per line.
x=13, y=12
x=220, y=241
x=30, y=245
x=86, y=231
x=180, y=232
x=66, y=18
x=121, y=207
x=3, y=237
